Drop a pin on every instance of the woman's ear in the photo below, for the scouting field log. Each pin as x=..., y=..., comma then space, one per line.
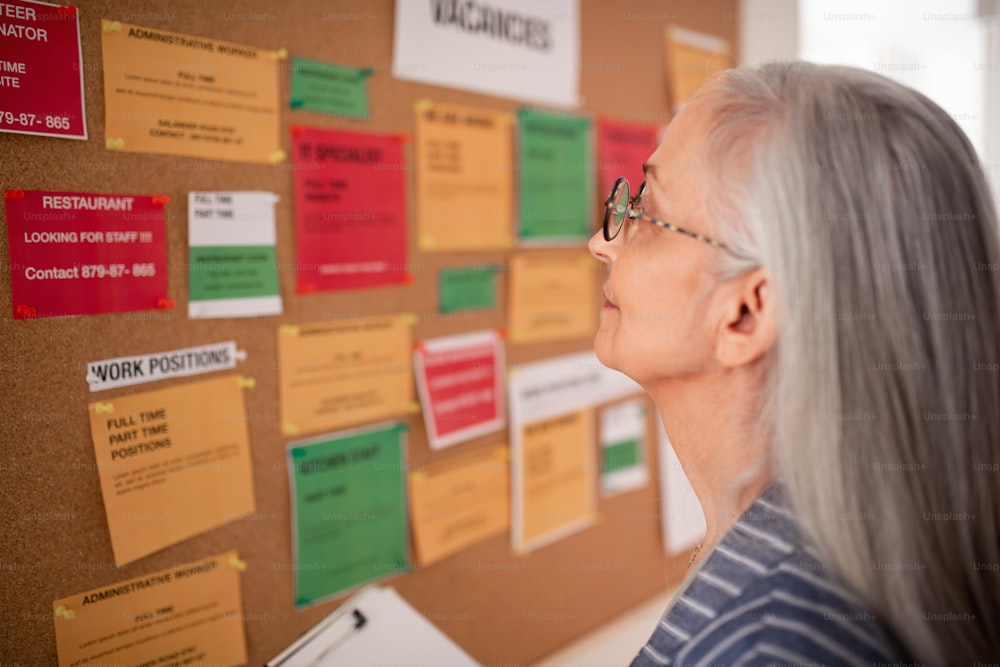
x=748, y=326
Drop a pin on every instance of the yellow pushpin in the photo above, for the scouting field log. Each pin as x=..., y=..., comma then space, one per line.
x=289, y=330
x=277, y=156
x=290, y=429
x=418, y=477
x=422, y=105
x=410, y=318
x=237, y=563
x=428, y=242
x=111, y=26
x=104, y=408
x=280, y=54
x=63, y=612
x=246, y=382
x=115, y=144
x=413, y=407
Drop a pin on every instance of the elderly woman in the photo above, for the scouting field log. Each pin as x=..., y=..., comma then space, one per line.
x=807, y=285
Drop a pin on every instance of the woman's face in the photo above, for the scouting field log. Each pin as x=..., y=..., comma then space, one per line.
x=654, y=324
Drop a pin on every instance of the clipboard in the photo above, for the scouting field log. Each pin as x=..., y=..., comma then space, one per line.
x=374, y=627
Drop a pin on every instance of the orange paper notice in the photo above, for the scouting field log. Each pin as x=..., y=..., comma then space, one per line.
x=336, y=374
x=459, y=501
x=176, y=94
x=551, y=297
x=173, y=463
x=190, y=614
x=692, y=58
x=465, y=177
x=556, y=479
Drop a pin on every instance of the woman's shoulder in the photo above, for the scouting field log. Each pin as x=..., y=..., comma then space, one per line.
x=762, y=597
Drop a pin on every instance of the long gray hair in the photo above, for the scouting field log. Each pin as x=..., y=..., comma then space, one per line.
x=867, y=205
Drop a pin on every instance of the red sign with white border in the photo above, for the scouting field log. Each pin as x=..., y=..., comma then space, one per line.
x=459, y=379
x=77, y=253
x=41, y=70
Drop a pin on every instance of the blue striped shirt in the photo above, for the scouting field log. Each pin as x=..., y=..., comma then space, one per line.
x=761, y=598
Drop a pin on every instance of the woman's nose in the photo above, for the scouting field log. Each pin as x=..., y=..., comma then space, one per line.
x=601, y=249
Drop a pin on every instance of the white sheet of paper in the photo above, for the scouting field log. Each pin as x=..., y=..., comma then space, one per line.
x=141, y=368
x=550, y=388
x=537, y=61
x=622, y=423
x=233, y=219
x=681, y=516
x=393, y=633
x=563, y=384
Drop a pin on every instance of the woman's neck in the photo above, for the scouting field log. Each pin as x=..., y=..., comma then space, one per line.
x=724, y=456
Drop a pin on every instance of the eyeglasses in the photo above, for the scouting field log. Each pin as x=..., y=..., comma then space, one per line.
x=620, y=206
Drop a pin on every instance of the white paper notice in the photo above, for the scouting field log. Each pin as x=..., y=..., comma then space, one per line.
x=563, y=384
x=681, y=516
x=141, y=368
x=623, y=447
x=233, y=268
x=522, y=49
x=551, y=405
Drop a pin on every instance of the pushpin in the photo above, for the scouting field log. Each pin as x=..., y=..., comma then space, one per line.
x=306, y=288
x=237, y=563
x=69, y=10
x=240, y=355
x=63, y=612
x=112, y=26
x=164, y=303
x=159, y=200
x=410, y=318
x=276, y=156
x=26, y=312
x=280, y=54
x=246, y=382
x=115, y=144
x=409, y=279
x=13, y=195
x=104, y=408
x=289, y=330
x=413, y=407
x=422, y=105
x=290, y=429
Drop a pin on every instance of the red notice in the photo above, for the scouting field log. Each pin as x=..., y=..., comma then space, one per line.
x=76, y=253
x=460, y=384
x=622, y=148
x=350, y=209
x=41, y=73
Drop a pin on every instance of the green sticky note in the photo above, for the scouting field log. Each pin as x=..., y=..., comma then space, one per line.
x=620, y=455
x=335, y=89
x=469, y=288
x=232, y=272
x=349, y=525
x=556, y=182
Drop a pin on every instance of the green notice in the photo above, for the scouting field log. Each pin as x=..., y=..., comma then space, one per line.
x=620, y=456
x=556, y=183
x=335, y=89
x=348, y=510
x=232, y=272
x=466, y=288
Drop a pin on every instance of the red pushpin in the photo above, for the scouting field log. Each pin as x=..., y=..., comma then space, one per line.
x=160, y=200
x=409, y=279
x=25, y=312
x=164, y=303
x=306, y=288
x=13, y=195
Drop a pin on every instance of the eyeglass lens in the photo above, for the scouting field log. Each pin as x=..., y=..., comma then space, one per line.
x=617, y=209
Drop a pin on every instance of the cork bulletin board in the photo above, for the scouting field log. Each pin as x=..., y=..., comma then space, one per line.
x=501, y=608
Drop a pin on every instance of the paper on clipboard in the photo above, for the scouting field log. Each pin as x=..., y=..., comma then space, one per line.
x=374, y=627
